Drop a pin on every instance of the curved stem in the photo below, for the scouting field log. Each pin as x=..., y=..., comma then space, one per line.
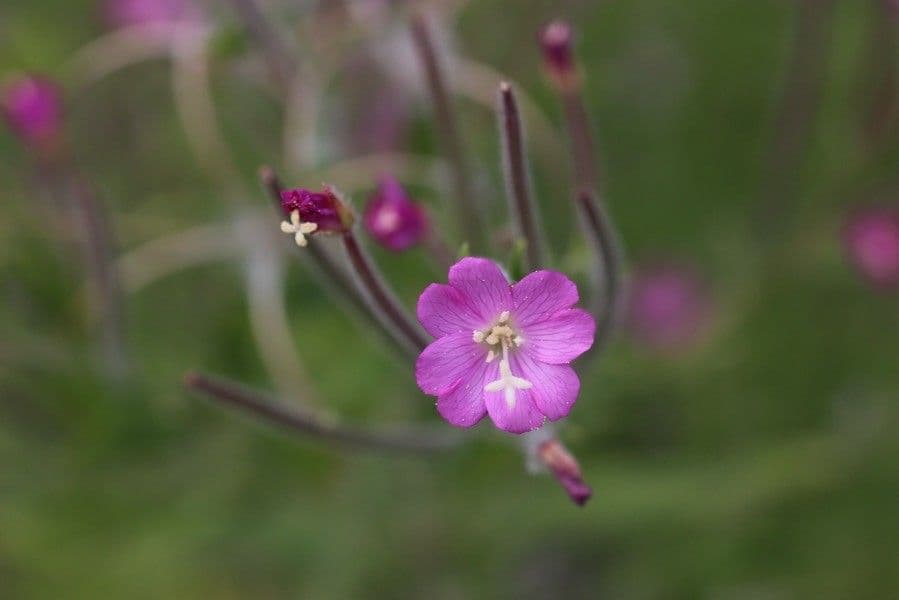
x=384, y=298
x=602, y=236
x=253, y=402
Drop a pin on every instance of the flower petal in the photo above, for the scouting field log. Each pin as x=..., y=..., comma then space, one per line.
x=521, y=415
x=484, y=286
x=561, y=338
x=442, y=310
x=447, y=361
x=463, y=405
x=555, y=387
x=540, y=295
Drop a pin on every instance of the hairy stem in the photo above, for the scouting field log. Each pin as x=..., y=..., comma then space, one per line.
x=383, y=297
x=518, y=184
x=258, y=404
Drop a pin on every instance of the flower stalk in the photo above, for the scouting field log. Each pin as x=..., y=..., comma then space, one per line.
x=468, y=212
x=303, y=423
x=373, y=283
x=517, y=176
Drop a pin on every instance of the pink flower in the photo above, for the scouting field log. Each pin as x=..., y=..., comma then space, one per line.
x=314, y=212
x=871, y=241
x=393, y=219
x=32, y=106
x=502, y=349
x=667, y=306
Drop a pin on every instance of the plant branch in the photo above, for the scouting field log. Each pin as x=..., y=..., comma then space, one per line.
x=383, y=297
x=252, y=402
x=518, y=184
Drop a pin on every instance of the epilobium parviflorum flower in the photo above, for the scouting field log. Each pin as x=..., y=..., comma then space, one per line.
x=393, y=219
x=32, y=107
x=502, y=349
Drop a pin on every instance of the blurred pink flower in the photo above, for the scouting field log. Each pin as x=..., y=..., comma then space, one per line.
x=530, y=327
x=393, y=219
x=32, y=106
x=667, y=306
x=130, y=13
x=871, y=243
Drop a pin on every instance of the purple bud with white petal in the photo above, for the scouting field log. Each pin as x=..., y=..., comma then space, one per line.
x=871, y=243
x=668, y=306
x=33, y=109
x=311, y=212
x=132, y=13
x=393, y=219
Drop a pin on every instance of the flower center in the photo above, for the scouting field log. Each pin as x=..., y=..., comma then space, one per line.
x=500, y=337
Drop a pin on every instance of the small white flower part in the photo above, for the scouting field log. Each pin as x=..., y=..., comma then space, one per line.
x=299, y=229
x=507, y=381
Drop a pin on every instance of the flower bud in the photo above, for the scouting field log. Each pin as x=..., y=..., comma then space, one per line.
x=32, y=107
x=392, y=219
x=311, y=212
x=556, y=42
x=553, y=455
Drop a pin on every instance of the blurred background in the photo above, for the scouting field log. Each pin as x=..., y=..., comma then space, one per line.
x=740, y=431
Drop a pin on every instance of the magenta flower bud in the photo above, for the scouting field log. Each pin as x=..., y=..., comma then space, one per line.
x=553, y=455
x=668, y=306
x=871, y=243
x=33, y=108
x=393, y=219
x=556, y=42
x=131, y=13
x=311, y=212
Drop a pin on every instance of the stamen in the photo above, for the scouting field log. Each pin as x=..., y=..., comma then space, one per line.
x=478, y=336
x=298, y=228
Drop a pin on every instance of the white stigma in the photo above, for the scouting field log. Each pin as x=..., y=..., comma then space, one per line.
x=501, y=337
x=299, y=229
